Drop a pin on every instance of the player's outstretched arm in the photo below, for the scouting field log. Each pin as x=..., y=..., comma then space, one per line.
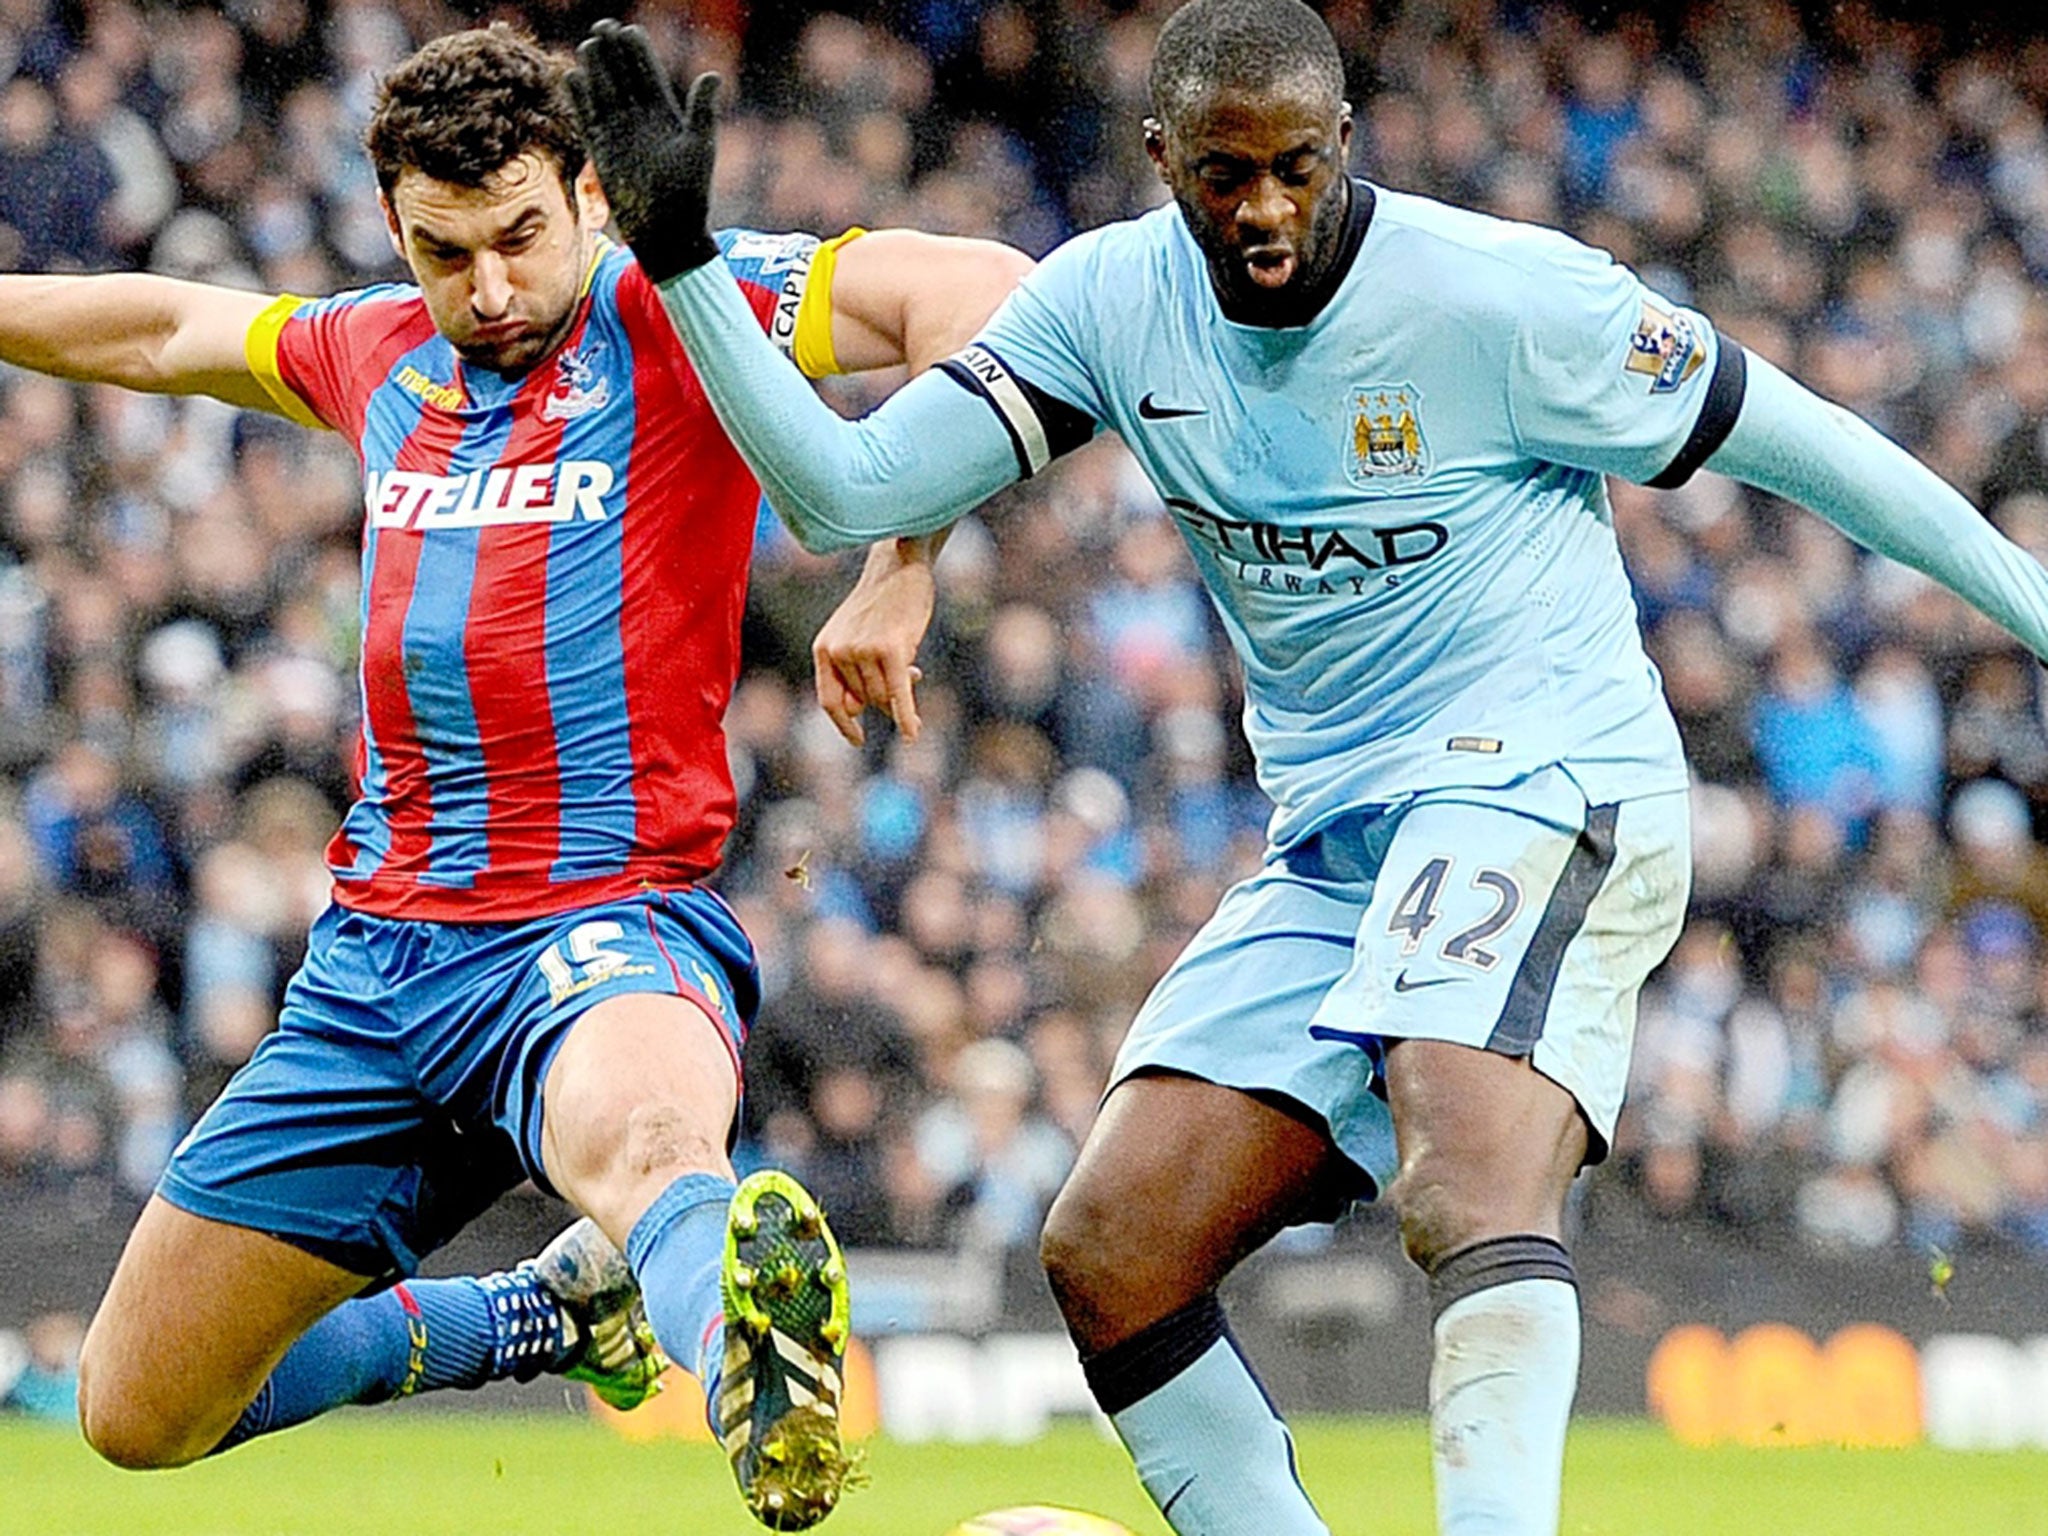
x=1792, y=443
x=137, y=330
x=929, y=454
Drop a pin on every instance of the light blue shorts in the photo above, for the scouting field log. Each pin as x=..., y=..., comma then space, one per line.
x=1521, y=920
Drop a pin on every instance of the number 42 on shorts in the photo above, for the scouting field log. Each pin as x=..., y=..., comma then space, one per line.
x=1420, y=908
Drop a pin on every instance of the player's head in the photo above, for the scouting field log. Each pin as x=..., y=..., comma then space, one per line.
x=488, y=192
x=1251, y=131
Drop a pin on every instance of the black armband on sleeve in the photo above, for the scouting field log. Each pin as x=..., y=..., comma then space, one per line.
x=1717, y=417
x=1041, y=426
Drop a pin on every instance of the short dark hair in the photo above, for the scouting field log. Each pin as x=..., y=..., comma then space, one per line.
x=1213, y=45
x=468, y=104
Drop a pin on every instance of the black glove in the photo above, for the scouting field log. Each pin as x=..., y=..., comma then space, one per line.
x=653, y=157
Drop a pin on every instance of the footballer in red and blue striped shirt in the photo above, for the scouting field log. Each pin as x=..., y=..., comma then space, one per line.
x=521, y=976
x=554, y=569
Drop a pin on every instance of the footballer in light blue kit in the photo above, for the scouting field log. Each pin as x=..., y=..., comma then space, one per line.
x=1382, y=425
x=1445, y=689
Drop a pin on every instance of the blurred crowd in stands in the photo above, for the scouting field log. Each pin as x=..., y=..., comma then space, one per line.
x=1850, y=1046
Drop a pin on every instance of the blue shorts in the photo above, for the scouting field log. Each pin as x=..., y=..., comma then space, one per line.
x=400, y=1094
x=1521, y=920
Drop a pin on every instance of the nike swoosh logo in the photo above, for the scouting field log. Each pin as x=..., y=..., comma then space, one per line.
x=1403, y=984
x=1151, y=410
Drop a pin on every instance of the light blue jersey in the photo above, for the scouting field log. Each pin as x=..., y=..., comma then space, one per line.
x=1398, y=507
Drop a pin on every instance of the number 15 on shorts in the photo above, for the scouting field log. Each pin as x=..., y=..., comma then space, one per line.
x=584, y=960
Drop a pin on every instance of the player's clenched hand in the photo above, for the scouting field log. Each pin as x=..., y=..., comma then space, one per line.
x=653, y=157
x=864, y=655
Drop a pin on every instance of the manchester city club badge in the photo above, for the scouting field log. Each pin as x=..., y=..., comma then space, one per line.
x=1387, y=446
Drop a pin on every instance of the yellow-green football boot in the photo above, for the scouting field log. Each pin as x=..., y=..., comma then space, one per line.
x=786, y=1327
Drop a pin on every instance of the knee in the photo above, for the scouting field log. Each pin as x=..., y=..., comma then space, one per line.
x=663, y=1138
x=1077, y=1245
x=613, y=1167
x=1444, y=1206
x=120, y=1433
x=117, y=1441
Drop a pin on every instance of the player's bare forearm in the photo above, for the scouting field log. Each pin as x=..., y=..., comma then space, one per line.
x=133, y=329
x=864, y=656
x=900, y=296
x=1794, y=444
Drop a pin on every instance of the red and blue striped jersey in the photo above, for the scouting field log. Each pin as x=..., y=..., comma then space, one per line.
x=554, y=570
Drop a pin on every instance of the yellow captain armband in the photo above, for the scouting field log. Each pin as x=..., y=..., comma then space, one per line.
x=812, y=345
x=259, y=347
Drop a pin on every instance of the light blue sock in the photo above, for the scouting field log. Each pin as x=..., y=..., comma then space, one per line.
x=676, y=1249
x=1209, y=1447
x=417, y=1337
x=1500, y=1396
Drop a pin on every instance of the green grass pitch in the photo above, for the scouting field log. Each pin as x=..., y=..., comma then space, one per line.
x=426, y=1474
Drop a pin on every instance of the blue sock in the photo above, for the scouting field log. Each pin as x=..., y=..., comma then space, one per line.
x=1209, y=1447
x=677, y=1249
x=416, y=1337
x=1501, y=1388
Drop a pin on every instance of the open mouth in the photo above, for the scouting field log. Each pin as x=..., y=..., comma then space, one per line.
x=1270, y=266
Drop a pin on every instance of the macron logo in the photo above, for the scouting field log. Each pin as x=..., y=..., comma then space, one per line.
x=489, y=498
